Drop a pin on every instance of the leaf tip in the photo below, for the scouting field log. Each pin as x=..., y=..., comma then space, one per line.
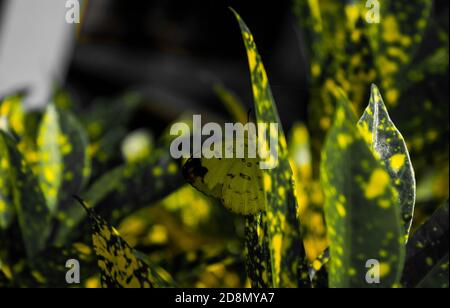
x=81, y=201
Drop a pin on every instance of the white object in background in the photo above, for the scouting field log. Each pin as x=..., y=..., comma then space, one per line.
x=35, y=48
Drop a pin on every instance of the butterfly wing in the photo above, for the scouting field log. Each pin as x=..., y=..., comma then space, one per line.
x=237, y=182
x=207, y=175
x=242, y=190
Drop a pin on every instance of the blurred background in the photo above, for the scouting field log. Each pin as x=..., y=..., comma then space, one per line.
x=171, y=55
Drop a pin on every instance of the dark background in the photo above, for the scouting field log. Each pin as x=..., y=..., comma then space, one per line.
x=172, y=51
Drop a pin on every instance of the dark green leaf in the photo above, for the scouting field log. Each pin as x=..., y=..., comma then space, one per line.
x=126, y=189
x=427, y=247
x=438, y=277
x=396, y=39
x=32, y=212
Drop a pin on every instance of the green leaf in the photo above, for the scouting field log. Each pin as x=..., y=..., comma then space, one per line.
x=438, y=277
x=118, y=263
x=12, y=115
x=106, y=122
x=257, y=255
x=64, y=163
x=7, y=212
x=32, y=212
x=310, y=20
x=319, y=270
x=49, y=267
x=396, y=39
x=384, y=138
x=427, y=248
x=127, y=188
x=361, y=206
x=285, y=243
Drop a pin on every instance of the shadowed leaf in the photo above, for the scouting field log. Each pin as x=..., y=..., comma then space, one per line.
x=438, y=277
x=126, y=189
x=426, y=248
x=29, y=202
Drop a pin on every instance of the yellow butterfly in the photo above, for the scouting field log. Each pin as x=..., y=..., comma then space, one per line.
x=237, y=182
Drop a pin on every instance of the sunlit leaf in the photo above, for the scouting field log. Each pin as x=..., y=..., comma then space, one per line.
x=64, y=164
x=384, y=138
x=285, y=242
x=427, y=248
x=361, y=206
x=119, y=266
x=30, y=206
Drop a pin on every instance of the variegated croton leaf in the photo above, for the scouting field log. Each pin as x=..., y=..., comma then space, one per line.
x=64, y=164
x=119, y=266
x=287, y=253
x=361, y=206
x=29, y=204
x=384, y=138
x=427, y=253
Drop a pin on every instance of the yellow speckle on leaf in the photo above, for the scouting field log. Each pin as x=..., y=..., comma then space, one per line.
x=385, y=269
x=267, y=182
x=277, y=244
x=281, y=192
x=397, y=161
x=172, y=168
x=252, y=58
x=157, y=171
x=315, y=70
x=377, y=184
x=317, y=265
x=392, y=96
x=344, y=140
x=341, y=209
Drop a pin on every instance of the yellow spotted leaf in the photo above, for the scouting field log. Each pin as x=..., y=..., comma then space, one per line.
x=285, y=243
x=361, y=206
x=127, y=188
x=64, y=165
x=385, y=139
x=427, y=251
x=29, y=203
x=119, y=265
